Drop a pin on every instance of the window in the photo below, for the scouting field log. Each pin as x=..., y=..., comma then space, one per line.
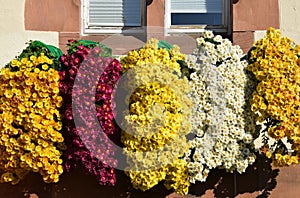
x=112, y=16
x=196, y=15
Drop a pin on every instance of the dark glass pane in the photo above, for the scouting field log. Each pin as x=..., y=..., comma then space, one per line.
x=196, y=18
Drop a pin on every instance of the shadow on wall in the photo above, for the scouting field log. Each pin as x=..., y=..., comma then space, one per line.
x=259, y=177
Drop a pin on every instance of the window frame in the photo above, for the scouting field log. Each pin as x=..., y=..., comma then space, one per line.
x=177, y=29
x=110, y=29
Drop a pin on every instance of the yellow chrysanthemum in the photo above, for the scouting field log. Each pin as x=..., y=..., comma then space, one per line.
x=275, y=63
x=31, y=146
x=156, y=123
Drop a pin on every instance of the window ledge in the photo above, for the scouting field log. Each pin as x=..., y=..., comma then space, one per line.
x=114, y=30
x=174, y=29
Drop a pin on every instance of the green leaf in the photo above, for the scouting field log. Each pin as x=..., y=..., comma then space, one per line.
x=165, y=45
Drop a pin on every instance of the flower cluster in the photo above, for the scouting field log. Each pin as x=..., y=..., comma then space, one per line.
x=158, y=118
x=87, y=88
x=222, y=122
x=30, y=121
x=36, y=48
x=151, y=53
x=274, y=60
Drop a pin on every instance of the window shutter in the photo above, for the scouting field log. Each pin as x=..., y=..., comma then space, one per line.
x=114, y=13
x=196, y=6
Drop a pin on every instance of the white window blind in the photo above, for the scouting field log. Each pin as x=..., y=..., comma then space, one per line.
x=196, y=6
x=114, y=13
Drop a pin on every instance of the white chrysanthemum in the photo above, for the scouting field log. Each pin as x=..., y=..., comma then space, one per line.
x=208, y=34
x=222, y=121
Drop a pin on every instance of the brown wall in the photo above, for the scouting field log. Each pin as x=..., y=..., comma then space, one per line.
x=255, y=15
x=155, y=14
x=249, y=16
x=260, y=179
x=64, y=17
x=52, y=15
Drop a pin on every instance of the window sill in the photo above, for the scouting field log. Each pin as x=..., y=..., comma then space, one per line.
x=113, y=30
x=176, y=29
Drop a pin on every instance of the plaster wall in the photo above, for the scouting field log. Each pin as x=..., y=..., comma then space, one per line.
x=289, y=18
x=13, y=35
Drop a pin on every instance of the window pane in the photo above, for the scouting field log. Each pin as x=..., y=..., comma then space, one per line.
x=196, y=18
x=200, y=6
x=110, y=12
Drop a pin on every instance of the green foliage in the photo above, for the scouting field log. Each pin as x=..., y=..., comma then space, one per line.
x=35, y=48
